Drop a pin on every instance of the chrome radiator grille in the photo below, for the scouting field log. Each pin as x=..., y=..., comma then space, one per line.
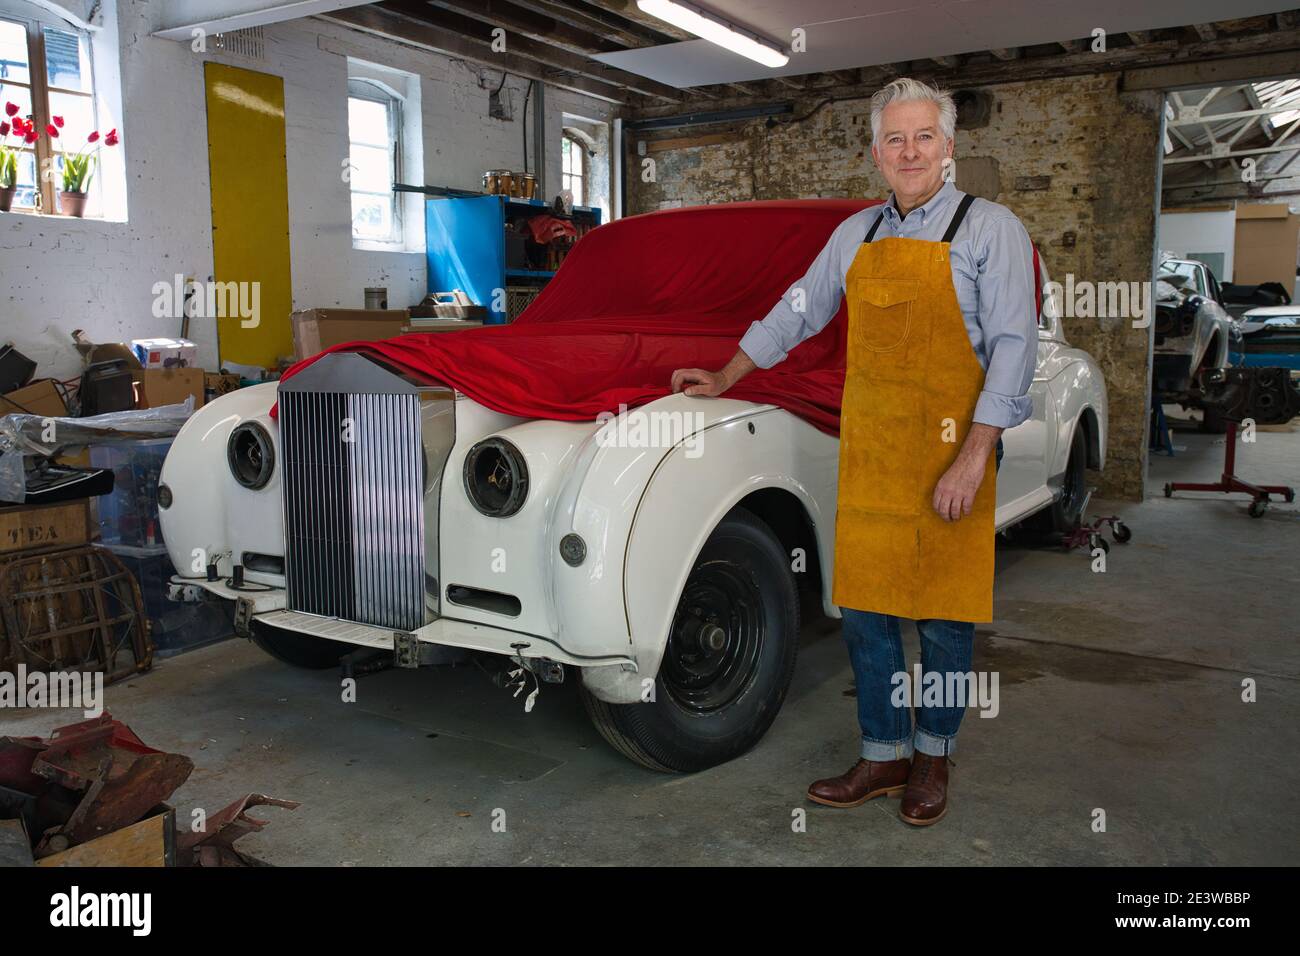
x=354, y=505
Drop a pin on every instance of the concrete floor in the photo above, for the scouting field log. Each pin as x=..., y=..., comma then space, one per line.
x=1119, y=691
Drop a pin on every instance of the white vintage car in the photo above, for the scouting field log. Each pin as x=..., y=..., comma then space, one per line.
x=662, y=578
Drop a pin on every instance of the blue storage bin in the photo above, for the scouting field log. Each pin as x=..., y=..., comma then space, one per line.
x=129, y=516
x=174, y=626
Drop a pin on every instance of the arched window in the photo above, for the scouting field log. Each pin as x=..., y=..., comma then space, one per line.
x=375, y=160
x=573, y=156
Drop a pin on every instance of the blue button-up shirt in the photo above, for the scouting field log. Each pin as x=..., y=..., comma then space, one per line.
x=992, y=273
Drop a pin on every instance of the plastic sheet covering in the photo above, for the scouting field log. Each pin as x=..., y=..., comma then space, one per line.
x=41, y=435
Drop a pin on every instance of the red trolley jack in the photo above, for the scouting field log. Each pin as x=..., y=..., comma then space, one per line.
x=1230, y=483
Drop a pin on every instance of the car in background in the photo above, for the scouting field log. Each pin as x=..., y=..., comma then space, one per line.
x=1194, y=335
x=1270, y=338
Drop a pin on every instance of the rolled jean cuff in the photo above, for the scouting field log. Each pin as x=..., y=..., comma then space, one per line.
x=883, y=751
x=934, y=745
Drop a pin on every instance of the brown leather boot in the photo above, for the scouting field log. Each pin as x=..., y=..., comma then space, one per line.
x=926, y=798
x=865, y=780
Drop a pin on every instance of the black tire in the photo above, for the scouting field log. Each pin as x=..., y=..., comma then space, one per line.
x=1064, y=514
x=300, y=650
x=712, y=705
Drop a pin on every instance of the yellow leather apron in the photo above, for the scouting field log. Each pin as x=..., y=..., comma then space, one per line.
x=910, y=388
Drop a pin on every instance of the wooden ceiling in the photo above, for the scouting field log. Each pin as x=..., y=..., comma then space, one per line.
x=554, y=41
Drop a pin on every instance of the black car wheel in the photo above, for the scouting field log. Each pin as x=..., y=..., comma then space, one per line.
x=728, y=662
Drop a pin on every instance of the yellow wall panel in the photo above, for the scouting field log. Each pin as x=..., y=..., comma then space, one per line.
x=250, y=211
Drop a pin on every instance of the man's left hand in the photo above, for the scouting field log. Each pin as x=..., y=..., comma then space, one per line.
x=954, y=495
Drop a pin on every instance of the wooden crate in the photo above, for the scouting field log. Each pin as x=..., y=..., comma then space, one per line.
x=64, y=524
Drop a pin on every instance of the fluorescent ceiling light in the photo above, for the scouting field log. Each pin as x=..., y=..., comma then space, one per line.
x=715, y=30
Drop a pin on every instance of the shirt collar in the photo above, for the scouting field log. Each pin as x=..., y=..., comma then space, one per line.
x=946, y=193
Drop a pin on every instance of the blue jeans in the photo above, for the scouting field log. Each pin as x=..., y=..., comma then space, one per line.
x=875, y=643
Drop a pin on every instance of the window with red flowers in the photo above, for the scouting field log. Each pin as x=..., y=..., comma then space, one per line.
x=45, y=70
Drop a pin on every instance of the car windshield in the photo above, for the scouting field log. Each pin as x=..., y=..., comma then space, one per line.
x=1190, y=271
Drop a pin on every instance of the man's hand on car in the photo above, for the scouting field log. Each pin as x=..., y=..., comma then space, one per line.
x=699, y=381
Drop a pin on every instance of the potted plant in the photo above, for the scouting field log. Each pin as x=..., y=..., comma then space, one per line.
x=25, y=131
x=78, y=167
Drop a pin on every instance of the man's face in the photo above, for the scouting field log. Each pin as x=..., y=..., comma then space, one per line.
x=911, y=149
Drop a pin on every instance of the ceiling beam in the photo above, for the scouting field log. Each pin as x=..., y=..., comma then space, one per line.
x=182, y=17
x=477, y=31
x=1286, y=107
x=384, y=23
x=1194, y=66
x=535, y=26
x=628, y=10
x=599, y=22
x=1158, y=64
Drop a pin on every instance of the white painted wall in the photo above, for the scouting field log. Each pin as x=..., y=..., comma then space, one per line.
x=59, y=274
x=1189, y=233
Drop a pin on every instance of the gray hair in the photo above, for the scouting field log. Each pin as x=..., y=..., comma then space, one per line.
x=903, y=89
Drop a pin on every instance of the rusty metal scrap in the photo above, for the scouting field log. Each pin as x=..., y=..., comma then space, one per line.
x=121, y=778
x=96, y=776
x=213, y=845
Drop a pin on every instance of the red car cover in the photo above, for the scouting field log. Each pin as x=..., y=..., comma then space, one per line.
x=638, y=298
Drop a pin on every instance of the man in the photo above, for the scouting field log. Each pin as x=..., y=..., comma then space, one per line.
x=942, y=343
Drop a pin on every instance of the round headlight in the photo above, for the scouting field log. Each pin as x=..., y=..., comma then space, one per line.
x=251, y=455
x=164, y=496
x=496, y=478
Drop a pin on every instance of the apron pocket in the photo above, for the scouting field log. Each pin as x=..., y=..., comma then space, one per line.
x=885, y=312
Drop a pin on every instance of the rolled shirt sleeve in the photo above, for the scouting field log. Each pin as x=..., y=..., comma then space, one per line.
x=1008, y=318
x=807, y=306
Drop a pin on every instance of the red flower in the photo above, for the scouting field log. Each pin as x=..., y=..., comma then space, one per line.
x=58, y=121
x=110, y=139
x=4, y=129
x=20, y=126
x=32, y=136
x=93, y=137
x=11, y=109
x=52, y=130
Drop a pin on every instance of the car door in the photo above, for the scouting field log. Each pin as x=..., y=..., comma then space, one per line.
x=1028, y=448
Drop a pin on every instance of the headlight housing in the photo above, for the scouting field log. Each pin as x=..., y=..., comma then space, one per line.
x=496, y=477
x=251, y=455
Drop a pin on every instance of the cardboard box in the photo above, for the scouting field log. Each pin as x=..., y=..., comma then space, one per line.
x=1266, y=244
x=64, y=524
x=39, y=398
x=165, y=353
x=441, y=325
x=168, y=386
x=216, y=384
x=315, y=330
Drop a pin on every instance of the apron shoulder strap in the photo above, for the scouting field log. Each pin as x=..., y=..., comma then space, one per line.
x=957, y=217
x=871, y=233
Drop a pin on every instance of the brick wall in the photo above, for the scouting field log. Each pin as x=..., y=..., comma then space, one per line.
x=1074, y=158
